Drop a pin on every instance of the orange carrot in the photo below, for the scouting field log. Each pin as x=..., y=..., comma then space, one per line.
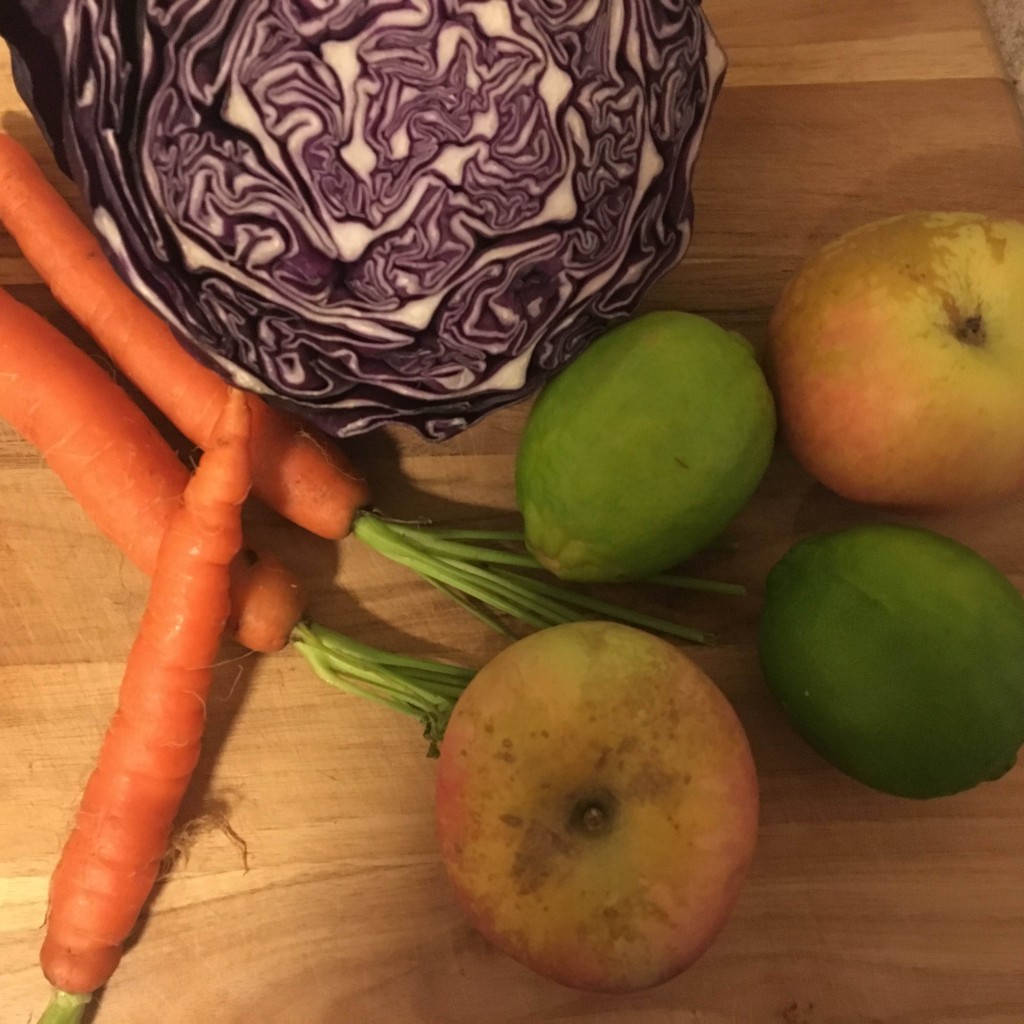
x=116, y=465
x=296, y=470
x=267, y=601
x=94, y=437
x=112, y=857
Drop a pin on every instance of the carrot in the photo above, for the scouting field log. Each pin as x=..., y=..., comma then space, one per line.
x=112, y=857
x=267, y=601
x=296, y=470
x=94, y=437
x=117, y=466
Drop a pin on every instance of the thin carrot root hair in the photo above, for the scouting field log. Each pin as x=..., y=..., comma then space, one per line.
x=185, y=838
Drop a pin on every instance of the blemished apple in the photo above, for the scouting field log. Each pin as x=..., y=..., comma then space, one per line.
x=597, y=806
x=897, y=358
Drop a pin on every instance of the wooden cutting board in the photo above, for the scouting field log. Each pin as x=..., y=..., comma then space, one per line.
x=860, y=908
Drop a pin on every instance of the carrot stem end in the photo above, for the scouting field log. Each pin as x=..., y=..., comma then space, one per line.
x=426, y=690
x=65, y=1008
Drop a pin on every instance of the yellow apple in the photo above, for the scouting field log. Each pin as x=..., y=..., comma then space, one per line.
x=596, y=805
x=897, y=358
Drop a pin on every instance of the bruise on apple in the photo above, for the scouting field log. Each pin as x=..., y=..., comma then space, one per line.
x=597, y=805
x=539, y=846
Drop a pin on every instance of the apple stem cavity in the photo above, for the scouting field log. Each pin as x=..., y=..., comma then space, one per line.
x=593, y=815
x=971, y=331
x=485, y=579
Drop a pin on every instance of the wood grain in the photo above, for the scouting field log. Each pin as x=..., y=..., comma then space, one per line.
x=861, y=909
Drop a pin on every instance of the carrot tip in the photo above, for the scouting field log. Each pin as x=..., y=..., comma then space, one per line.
x=65, y=1007
x=233, y=420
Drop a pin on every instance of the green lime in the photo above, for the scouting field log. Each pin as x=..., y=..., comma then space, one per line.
x=640, y=453
x=898, y=654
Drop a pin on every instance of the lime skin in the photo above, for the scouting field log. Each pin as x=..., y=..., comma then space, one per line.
x=897, y=654
x=644, y=449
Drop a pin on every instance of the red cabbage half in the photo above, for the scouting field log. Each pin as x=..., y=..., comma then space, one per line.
x=378, y=210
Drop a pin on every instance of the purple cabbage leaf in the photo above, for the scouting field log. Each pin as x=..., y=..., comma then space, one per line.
x=378, y=211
